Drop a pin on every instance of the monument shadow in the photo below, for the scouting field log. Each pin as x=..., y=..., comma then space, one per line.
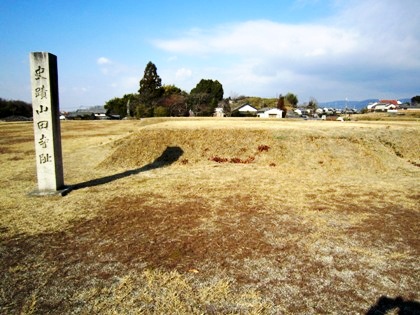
x=169, y=156
x=400, y=306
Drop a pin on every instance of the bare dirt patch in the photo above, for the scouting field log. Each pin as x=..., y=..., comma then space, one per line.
x=251, y=247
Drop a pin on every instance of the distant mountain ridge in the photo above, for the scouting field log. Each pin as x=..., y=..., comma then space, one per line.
x=355, y=104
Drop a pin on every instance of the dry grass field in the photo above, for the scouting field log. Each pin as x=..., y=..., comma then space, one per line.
x=214, y=216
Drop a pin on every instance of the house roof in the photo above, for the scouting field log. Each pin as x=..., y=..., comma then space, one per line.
x=269, y=109
x=245, y=108
x=93, y=109
x=264, y=109
x=393, y=102
x=80, y=114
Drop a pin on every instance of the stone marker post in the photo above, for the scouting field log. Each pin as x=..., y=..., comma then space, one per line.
x=44, y=82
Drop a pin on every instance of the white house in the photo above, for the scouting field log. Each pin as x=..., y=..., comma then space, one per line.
x=245, y=110
x=270, y=113
x=371, y=106
x=382, y=107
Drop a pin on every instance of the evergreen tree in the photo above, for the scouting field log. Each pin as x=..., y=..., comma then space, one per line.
x=150, y=89
x=292, y=99
x=415, y=100
x=205, y=97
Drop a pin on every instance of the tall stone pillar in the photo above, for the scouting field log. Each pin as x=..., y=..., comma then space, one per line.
x=46, y=118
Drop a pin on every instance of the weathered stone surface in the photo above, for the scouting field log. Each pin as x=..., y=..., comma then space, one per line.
x=45, y=104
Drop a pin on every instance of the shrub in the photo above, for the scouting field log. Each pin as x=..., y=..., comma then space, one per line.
x=218, y=159
x=263, y=147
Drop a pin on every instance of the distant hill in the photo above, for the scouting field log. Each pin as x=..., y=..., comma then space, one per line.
x=354, y=104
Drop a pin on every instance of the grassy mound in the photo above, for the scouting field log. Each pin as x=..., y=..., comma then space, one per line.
x=372, y=150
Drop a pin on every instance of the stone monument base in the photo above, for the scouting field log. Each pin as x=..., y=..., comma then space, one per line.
x=41, y=193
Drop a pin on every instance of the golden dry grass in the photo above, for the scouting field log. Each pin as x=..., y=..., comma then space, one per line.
x=401, y=115
x=213, y=216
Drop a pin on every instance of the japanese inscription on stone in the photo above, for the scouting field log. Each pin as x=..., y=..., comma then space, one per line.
x=44, y=82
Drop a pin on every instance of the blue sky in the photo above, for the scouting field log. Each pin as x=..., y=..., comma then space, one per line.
x=328, y=50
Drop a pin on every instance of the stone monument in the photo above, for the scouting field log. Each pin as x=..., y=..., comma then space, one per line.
x=46, y=118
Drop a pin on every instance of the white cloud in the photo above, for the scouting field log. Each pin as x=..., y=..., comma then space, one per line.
x=103, y=61
x=265, y=38
x=364, y=45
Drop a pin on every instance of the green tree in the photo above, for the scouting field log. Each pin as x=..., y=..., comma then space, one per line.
x=199, y=103
x=14, y=108
x=205, y=97
x=292, y=99
x=174, y=100
x=415, y=100
x=161, y=111
x=150, y=89
x=118, y=105
x=141, y=111
x=171, y=89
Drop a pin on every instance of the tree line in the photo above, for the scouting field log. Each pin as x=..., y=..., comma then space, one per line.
x=156, y=100
x=14, y=108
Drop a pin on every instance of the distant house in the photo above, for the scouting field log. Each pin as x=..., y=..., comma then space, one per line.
x=270, y=113
x=390, y=102
x=381, y=107
x=94, y=112
x=302, y=112
x=245, y=110
x=81, y=115
x=370, y=107
x=99, y=112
